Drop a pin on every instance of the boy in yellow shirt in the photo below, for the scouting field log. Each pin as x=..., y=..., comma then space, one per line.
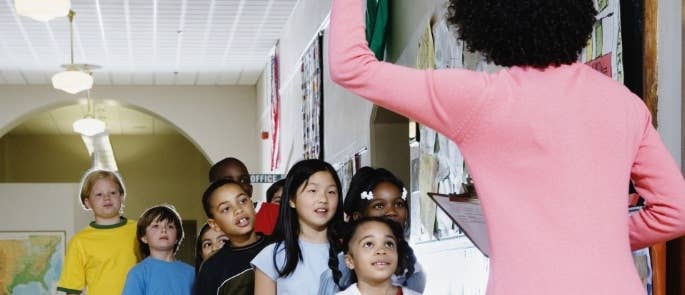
x=99, y=256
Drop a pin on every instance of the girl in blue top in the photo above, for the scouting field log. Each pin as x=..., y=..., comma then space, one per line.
x=307, y=246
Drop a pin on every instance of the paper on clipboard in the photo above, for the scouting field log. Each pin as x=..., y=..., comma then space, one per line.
x=468, y=215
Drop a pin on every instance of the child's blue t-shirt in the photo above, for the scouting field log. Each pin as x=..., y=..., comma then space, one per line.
x=311, y=276
x=154, y=276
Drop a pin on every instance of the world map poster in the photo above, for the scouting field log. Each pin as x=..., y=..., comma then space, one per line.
x=30, y=261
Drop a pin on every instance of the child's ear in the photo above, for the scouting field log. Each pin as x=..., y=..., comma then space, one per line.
x=292, y=204
x=348, y=261
x=86, y=203
x=143, y=239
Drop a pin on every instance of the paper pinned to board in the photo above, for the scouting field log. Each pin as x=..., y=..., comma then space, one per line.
x=468, y=215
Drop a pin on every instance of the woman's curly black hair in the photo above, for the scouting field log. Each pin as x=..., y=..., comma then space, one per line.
x=536, y=33
x=405, y=254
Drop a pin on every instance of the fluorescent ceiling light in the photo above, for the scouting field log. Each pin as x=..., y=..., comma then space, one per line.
x=100, y=151
x=42, y=10
x=89, y=126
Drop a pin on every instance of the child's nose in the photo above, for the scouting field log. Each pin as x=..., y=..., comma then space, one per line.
x=390, y=212
x=323, y=198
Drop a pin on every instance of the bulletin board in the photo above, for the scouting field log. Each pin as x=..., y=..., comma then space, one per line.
x=312, y=99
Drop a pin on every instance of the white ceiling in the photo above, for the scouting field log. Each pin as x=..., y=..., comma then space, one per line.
x=146, y=42
x=140, y=42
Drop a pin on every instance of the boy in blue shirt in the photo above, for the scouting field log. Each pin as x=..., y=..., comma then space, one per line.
x=160, y=232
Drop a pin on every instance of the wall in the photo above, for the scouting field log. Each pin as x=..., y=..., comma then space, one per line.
x=44, y=158
x=156, y=169
x=669, y=61
x=390, y=148
x=3, y=158
x=218, y=120
x=40, y=207
x=347, y=117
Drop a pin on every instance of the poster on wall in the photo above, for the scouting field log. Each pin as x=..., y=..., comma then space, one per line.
x=312, y=99
x=31, y=261
x=345, y=172
x=275, y=105
x=440, y=166
x=604, y=50
x=426, y=160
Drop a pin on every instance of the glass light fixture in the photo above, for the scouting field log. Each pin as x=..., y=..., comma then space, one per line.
x=77, y=77
x=42, y=10
x=72, y=81
x=89, y=125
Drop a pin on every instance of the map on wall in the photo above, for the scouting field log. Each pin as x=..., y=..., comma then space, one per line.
x=30, y=262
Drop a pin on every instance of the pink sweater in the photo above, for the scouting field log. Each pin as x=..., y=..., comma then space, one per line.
x=551, y=153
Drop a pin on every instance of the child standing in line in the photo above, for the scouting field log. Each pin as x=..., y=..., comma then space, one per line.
x=99, y=256
x=306, y=241
x=275, y=191
x=228, y=271
x=208, y=242
x=539, y=136
x=378, y=192
x=234, y=169
x=375, y=250
x=159, y=234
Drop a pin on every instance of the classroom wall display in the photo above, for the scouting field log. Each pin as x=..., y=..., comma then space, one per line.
x=604, y=50
x=345, y=170
x=440, y=165
x=349, y=166
x=273, y=73
x=31, y=261
x=312, y=99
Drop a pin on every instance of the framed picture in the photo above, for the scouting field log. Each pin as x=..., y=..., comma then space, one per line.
x=32, y=260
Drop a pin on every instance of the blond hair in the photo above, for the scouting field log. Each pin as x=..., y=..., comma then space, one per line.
x=92, y=176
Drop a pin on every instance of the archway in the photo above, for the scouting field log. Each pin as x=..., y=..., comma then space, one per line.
x=41, y=153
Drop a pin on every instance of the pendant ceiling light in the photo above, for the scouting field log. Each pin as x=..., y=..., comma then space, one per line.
x=89, y=125
x=76, y=77
x=42, y=10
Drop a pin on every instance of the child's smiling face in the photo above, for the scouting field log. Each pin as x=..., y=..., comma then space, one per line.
x=316, y=201
x=372, y=252
x=232, y=210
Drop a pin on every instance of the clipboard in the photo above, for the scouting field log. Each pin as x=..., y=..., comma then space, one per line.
x=467, y=213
